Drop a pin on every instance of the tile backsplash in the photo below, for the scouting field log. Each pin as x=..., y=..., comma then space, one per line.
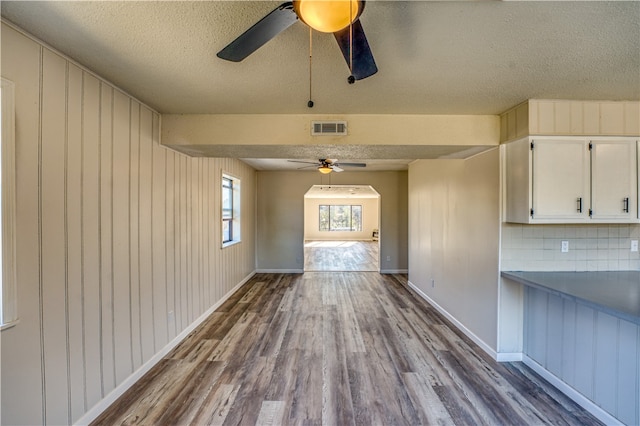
x=591, y=247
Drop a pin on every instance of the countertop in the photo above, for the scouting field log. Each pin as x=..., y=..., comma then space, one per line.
x=614, y=292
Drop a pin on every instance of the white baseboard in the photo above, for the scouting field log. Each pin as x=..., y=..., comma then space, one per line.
x=576, y=396
x=112, y=396
x=301, y=271
x=455, y=322
x=509, y=356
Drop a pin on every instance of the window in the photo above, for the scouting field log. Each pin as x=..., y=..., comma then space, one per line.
x=340, y=218
x=8, y=285
x=230, y=210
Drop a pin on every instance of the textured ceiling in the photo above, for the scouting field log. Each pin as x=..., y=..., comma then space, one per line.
x=433, y=57
x=377, y=157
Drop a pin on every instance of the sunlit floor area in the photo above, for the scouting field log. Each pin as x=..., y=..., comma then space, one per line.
x=341, y=256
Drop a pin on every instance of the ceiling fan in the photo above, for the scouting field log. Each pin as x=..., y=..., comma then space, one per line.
x=326, y=166
x=340, y=17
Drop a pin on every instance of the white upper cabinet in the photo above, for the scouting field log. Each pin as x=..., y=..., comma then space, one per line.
x=614, y=180
x=560, y=185
x=571, y=180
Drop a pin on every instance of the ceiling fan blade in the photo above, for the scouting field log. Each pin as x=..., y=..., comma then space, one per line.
x=337, y=169
x=354, y=164
x=363, y=63
x=264, y=30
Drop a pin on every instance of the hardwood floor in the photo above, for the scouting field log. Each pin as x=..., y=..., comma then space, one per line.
x=341, y=256
x=336, y=349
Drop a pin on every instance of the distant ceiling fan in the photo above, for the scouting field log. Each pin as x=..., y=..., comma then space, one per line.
x=340, y=17
x=326, y=166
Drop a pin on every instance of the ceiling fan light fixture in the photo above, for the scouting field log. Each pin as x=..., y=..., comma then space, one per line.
x=324, y=169
x=328, y=16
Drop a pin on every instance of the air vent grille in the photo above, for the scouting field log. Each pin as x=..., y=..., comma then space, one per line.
x=328, y=128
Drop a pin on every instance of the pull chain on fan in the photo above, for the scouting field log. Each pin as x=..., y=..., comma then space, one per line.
x=310, y=103
x=351, y=79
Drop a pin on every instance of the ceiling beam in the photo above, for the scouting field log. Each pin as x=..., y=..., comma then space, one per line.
x=289, y=136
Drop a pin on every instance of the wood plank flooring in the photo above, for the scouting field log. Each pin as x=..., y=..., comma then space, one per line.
x=341, y=256
x=353, y=348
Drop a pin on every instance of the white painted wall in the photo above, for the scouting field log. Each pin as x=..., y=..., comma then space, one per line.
x=114, y=231
x=281, y=215
x=370, y=222
x=454, y=218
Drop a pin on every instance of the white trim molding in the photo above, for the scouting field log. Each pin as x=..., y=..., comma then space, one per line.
x=483, y=345
x=509, y=356
x=394, y=271
x=101, y=406
x=576, y=396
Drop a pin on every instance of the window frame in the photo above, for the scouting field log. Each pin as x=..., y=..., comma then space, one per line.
x=329, y=207
x=8, y=272
x=233, y=220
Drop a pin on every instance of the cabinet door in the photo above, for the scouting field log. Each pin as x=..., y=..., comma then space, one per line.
x=560, y=181
x=614, y=180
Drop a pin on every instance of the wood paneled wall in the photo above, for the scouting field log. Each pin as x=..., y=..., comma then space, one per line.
x=577, y=118
x=118, y=238
x=593, y=352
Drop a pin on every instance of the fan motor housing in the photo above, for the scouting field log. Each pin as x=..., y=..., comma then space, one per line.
x=328, y=16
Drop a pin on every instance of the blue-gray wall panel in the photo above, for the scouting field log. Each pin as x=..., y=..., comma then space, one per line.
x=554, y=335
x=584, y=350
x=628, y=386
x=606, y=361
x=594, y=352
x=569, y=341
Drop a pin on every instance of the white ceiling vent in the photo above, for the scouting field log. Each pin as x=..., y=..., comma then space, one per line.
x=328, y=128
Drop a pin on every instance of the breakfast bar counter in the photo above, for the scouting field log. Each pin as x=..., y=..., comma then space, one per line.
x=581, y=330
x=614, y=292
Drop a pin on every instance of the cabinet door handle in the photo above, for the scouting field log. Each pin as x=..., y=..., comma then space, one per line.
x=625, y=205
x=579, y=204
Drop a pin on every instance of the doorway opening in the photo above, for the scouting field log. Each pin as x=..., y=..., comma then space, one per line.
x=342, y=228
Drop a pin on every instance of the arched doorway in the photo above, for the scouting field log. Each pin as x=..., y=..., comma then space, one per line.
x=341, y=227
